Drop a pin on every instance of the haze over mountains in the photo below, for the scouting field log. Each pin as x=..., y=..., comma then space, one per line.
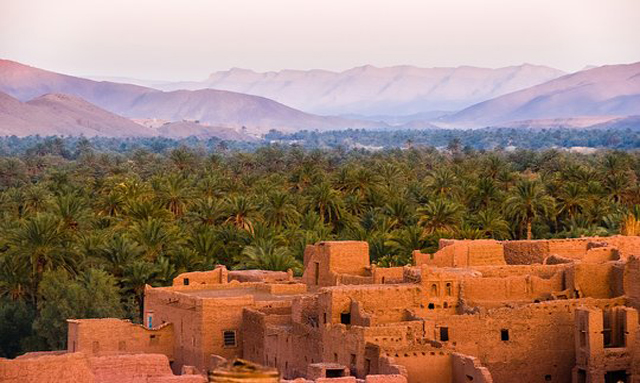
x=43, y=102
x=215, y=107
x=611, y=90
x=368, y=90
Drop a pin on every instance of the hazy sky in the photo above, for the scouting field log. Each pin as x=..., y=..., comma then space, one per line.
x=188, y=39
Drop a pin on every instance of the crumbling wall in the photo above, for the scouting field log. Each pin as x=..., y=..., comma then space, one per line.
x=603, y=280
x=632, y=281
x=601, y=254
x=627, y=245
x=525, y=252
x=388, y=303
x=534, y=342
x=469, y=369
x=463, y=253
x=501, y=290
x=260, y=276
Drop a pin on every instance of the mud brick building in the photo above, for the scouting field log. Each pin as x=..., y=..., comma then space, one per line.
x=475, y=311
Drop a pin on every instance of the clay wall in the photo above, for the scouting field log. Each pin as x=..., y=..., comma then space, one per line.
x=632, y=281
x=71, y=368
x=217, y=276
x=463, y=253
x=627, y=245
x=432, y=367
x=525, y=252
x=79, y=368
x=597, y=280
x=260, y=276
x=387, y=303
x=326, y=260
x=103, y=336
x=468, y=369
x=129, y=368
x=601, y=255
x=538, y=344
x=185, y=313
x=483, y=291
x=218, y=316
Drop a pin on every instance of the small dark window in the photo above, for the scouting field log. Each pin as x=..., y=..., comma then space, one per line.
x=431, y=306
x=230, y=338
x=352, y=360
x=444, y=334
x=325, y=317
x=469, y=378
x=504, y=335
x=547, y=378
x=185, y=281
x=334, y=373
x=345, y=318
x=153, y=339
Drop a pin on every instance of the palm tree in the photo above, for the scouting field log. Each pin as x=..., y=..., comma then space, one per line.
x=239, y=211
x=440, y=215
x=326, y=201
x=154, y=236
x=406, y=240
x=264, y=255
x=175, y=194
x=572, y=199
x=485, y=192
x=492, y=224
x=529, y=201
x=39, y=242
x=278, y=209
x=206, y=211
x=443, y=181
x=72, y=210
x=118, y=253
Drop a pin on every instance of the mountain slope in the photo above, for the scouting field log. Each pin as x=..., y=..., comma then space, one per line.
x=183, y=129
x=59, y=114
x=609, y=90
x=258, y=114
x=368, y=90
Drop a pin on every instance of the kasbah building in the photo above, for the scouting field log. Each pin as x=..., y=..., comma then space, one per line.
x=475, y=311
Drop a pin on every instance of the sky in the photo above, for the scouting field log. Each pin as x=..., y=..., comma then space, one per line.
x=188, y=39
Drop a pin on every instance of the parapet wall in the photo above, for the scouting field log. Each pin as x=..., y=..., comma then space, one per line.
x=79, y=368
x=468, y=253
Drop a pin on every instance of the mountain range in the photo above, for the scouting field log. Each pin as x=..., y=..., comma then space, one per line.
x=215, y=107
x=368, y=90
x=611, y=90
x=36, y=101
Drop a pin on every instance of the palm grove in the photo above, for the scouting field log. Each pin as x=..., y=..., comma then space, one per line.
x=82, y=234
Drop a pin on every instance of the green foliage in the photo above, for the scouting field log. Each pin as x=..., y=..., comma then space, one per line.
x=93, y=294
x=85, y=225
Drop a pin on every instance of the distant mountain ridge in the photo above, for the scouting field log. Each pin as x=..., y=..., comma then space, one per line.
x=610, y=90
x=215, y=107
x=368, y=90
